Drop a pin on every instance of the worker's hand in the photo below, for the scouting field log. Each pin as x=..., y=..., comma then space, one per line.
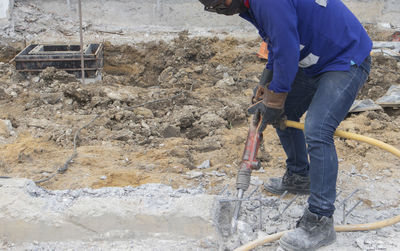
x=270, y=109
x=258, y=93
x=259, y=90
x=243, y=179
x=268, y=116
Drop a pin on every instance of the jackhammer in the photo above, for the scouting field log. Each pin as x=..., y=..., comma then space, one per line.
x=249, y=163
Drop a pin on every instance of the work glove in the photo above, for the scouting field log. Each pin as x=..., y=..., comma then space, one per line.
x=243, y=179
x=269, y=111
x=259, y=90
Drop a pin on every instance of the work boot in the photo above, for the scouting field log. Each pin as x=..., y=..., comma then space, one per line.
x=293, y=183
x=312, y=232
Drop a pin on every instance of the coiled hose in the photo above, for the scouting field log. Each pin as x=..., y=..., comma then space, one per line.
x=340, y=228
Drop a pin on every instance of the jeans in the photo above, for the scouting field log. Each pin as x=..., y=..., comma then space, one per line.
x=327, y=99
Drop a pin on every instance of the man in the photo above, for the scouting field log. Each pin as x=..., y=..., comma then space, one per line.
x=318, y=61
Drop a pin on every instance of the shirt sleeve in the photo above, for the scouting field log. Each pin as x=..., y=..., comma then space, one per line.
x=279, y=21
x=270, y=63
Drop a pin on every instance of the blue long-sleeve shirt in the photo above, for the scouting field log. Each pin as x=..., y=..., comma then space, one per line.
x=316, y=35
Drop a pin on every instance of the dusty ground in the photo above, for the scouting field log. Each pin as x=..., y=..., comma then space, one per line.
x=202, y=87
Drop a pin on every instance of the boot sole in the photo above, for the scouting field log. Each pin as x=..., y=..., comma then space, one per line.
x=292, y=191
x=287, y=247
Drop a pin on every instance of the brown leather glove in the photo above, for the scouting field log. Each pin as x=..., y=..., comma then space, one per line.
x=259, y=90
x=271, y=109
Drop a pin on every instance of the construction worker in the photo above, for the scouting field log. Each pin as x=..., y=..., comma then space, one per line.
x=318, y=61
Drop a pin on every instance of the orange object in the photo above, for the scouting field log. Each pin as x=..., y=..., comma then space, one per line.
x=263, y=52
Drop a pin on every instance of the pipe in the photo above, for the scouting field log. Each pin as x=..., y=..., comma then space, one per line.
x=339, y=228
x=354, y=136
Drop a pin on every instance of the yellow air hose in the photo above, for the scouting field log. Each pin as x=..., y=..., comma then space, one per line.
x=340, y=228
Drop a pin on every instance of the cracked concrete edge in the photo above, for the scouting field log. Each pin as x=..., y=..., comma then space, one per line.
x=27, y=216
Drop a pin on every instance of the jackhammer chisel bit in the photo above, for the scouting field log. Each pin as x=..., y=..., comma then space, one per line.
x=249, y=163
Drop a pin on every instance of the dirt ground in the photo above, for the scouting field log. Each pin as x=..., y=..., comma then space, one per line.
x=202, y=87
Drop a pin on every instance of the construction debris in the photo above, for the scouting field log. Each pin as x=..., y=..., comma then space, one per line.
x=364, y=105
x=391, y=97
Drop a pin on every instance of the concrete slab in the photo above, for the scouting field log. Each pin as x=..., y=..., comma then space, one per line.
x=364, y=105
x=30, y=213
x=6, y=7
x=391, y=97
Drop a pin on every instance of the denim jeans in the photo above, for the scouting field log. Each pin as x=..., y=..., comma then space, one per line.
x=327, y=99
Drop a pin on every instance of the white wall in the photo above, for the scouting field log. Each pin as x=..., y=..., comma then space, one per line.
x=372, y=11
x=189, y=14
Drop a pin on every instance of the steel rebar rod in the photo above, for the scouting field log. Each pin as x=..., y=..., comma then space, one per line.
x=81, y=41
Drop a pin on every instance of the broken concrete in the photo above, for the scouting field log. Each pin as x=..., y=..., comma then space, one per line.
x=364, y=105
x=30, y=213
x=6, y=7
x=391, y=98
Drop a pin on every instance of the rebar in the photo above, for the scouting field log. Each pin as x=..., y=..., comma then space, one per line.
x=348, y=197
x=223, y=190
x=286, y=207
x=343, y=204
x=354, y=207
x=81, y=41
x=252, y=192
x=338, y=194
x=260, y=216
x=283, y=195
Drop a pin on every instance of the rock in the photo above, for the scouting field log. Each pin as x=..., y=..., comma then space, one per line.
x=51, y=73
x=6, y=128
x=186, y=116
x=123, y=135
x=165, y=76
x=256, y=181
x=170, y=131
x=198, y=69
x=121, y=94
x=378, y=125
x=35, y=79
x=216, y=173
x=212, y=120
x=77, y=94
x=103, y=177
x=187, y=163
x=142, y=111
x=204, y=165
x=3, y=94
x=360, y=242
x=383, y=25
x=232, y=113
x=365, y=165
x=51, y=98
x=194, y=174
x=198, y=131
x=295, y=211
x=225, y=82
x=245, y=232
x=208, y=144
x=353, y=169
